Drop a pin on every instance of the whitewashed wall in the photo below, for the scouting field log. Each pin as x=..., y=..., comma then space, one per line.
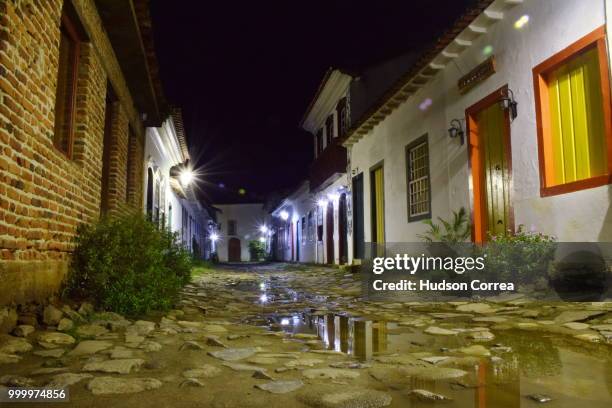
x=553, y=25
x=248, y=217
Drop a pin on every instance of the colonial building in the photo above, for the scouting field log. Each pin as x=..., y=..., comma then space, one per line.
x=238, y=224
x=170, y=199
x=78, y=85
x=508, y=115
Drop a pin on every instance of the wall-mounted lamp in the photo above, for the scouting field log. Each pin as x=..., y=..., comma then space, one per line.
x=456, y=129
x=284, y=215
x=508, y=102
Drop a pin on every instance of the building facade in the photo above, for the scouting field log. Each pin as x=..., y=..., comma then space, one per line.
x=237, y=225
x=77, y=88
x=170, y=200
x=508, y=116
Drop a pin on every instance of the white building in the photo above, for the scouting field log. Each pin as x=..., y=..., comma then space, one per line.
x=545, y=162
x=238, y=224
x=170, y=199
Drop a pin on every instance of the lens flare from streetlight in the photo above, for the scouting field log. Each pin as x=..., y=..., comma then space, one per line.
x=214, y=237
x=284, y=215
x=263, y=229
x=186, y=177
x=521, y=22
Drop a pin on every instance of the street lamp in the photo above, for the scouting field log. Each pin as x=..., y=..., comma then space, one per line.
x=263, y=229
x=186, y=177
x=284, y=215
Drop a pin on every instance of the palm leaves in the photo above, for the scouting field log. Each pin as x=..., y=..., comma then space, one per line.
x=457, y=230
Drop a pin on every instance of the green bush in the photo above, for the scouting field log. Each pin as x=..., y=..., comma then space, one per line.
x=451, y=232
x=257, y=249
x=128, y=265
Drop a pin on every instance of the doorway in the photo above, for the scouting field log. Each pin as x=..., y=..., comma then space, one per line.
x=298, y=239
x=358, y=238
x=377, y=185
x=342, y=228
x=233, y=250
x=491, y=167
x=329, y=221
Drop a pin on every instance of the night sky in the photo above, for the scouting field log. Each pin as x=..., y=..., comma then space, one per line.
x=244, y=73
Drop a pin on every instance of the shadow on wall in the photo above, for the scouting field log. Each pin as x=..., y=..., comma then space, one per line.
x=605, y=234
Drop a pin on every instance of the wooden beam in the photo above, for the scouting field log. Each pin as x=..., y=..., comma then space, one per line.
x=462, y=42
x=477, y=29
x=494, y=15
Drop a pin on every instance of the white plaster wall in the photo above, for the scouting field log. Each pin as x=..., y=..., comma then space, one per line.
x=248, y=217
x=553, y=25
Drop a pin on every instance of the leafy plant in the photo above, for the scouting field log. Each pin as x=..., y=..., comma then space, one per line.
x=521, y=255
x=128, y=265
x=257, y=250
x=454, y=231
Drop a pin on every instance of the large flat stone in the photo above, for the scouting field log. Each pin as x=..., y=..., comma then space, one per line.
x=576, y=315
x=280, y=387
x=119, y=366
x=113, y=385
x=233, y=354
x=87, y=347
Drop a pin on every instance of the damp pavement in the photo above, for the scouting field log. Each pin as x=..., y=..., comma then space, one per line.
x=285, y=335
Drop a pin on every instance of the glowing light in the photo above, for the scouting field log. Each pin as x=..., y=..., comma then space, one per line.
x=263, y=229
x=186, y=177
x=284, y=215
x=487, y=50
x=263, y=298
x=285, y=322
x=221, y=185
x=241, y=191
x=262, y=286
x=334, y=196
x=296, y=319
x=521, y=22
x=214, y=237
x=262, y=239
x=425, y=104
x=322, y=203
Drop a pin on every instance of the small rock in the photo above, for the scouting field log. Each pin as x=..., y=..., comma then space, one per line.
x=53, y=339
x=52, y=315
x=592, y=337
x=86, y=309
x=332, y=397
x=191, y=382
x=114, y=385
x=262, y=375
x=91, y=330
x=576, y=326
x=539, y=398
x=233, y=354
x=482, y=308
x=119, y=366
x=9, y=358
x=65, y=324
x=475, y=350
x=149, y=346
x=211, y=341
x=482, y=336
x=13, y=345
x=206, y=371
x=428, y=395
x=243, y=367
x=23, y=330
x=191, y=345
x=8, y=319
x=330, y=374
x=280, y=387
x=576, y=316
x=56, y=353
x=142, y=327
x=434, y=359
x=87, y=347
x=72, y=314
x=16, y=381
x=440, y=331
x=66, y=379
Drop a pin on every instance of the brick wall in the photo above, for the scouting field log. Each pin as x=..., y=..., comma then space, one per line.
x=44, y=195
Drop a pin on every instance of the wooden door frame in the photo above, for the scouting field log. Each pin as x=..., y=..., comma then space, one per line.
x=475, y=164
x=329, y=234
x=373, y=225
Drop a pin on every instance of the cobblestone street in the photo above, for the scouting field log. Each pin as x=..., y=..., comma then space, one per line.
x=302, y=334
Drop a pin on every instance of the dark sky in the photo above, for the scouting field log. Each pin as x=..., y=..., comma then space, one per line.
x=244, y=72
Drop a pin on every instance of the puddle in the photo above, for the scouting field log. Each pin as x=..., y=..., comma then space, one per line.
x=573, y=373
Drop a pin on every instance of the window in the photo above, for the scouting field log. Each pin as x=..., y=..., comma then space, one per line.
x=573, y=112
x=320, y=224
x=417, y=166
x=329, y=129
x=65, y=97
x=231, y=227
x=319, y=141
x=303, y=230
x=342, y=117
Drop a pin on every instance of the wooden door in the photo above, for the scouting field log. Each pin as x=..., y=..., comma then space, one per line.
x=490, y=159
x=233, y=250
x=377, y=182
x=329, y=217
x=358, y=234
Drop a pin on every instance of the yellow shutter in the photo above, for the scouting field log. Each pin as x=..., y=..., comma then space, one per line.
x=577, y=122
